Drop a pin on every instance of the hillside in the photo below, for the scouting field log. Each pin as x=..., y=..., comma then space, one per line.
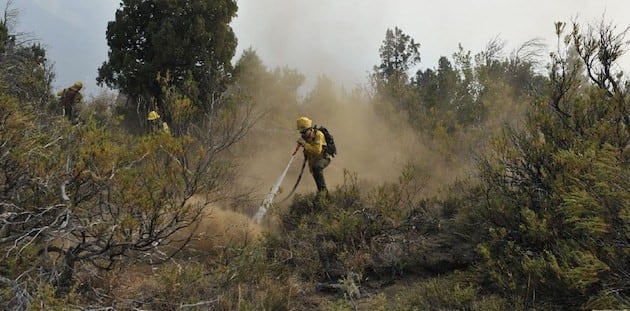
x=485, y=183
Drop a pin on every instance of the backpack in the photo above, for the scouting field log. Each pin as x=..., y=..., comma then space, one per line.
x=331, y=149
x=67, y=97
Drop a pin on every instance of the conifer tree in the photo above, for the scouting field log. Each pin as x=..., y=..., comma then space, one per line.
x=187, y=44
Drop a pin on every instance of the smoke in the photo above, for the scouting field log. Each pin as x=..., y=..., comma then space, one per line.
x=373, y=146
x=374, y=143
x=217, y=228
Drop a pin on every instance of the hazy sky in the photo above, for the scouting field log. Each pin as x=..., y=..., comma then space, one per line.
x=339, y=38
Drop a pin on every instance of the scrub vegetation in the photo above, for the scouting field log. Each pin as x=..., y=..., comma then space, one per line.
x=489, y=181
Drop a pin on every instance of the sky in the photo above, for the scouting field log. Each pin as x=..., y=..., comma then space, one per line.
x=338, y=38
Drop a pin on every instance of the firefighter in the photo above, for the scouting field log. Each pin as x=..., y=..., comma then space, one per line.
x=313, y=142
x=156, y=125
x=69, y=98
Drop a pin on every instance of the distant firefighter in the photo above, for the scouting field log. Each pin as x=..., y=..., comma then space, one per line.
x=69, y=98
x=156, y=125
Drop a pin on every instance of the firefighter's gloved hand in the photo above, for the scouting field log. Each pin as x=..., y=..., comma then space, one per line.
x=301, y=141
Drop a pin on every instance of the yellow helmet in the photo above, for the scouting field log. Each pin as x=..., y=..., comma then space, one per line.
x=303, y=123
x=78, y=85
x=153, y=115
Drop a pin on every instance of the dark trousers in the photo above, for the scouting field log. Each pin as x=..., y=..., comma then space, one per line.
x=318, y=173
x=68, y=112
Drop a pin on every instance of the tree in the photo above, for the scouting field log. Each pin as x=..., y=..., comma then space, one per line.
x=437, y=87
x=390, y=79
x=250, y=72
x=24, y=69
x=7, y=20
x=274, y=95
x=556, y=199
x=323, y=99
x=4, y=36
x=187, y=42
x=467, y=103
x=274, y=92
x=438, y=91
x=399, y=53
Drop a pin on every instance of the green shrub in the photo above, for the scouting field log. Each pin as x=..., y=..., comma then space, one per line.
x=450, y=292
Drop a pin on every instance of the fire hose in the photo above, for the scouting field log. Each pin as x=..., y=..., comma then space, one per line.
x=297, y=182
x=262, y=210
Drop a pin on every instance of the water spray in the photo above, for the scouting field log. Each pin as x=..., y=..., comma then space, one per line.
x=262, y=210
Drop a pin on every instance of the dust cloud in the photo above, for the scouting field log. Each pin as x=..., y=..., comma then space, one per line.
x=373, y=146
x=222, y=225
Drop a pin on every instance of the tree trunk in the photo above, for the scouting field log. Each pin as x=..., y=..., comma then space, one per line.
x=64, y=282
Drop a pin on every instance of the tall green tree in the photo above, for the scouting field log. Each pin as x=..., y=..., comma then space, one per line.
x=437, y=87
x=466, y=103
x=390, y=79
x=472, y=90
x=188, y=43
x=438, y=91
x=399, y=53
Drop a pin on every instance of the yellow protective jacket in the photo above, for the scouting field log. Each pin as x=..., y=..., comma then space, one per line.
x=314, y=147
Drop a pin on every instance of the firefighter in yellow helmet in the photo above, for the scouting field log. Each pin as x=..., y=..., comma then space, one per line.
x=156, y=125
x=314, y=144
x=69, y=98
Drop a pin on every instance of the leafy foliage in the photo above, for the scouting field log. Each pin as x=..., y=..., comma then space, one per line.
x=189, y=42
x=453, y=292
x=557, y=191
x=87, y=211
x=399, y=53
x=24, y=70
x=382, y=234
x=470, y=91
x=79, y=195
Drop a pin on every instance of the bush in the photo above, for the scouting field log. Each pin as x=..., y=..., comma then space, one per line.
x=450, y=292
